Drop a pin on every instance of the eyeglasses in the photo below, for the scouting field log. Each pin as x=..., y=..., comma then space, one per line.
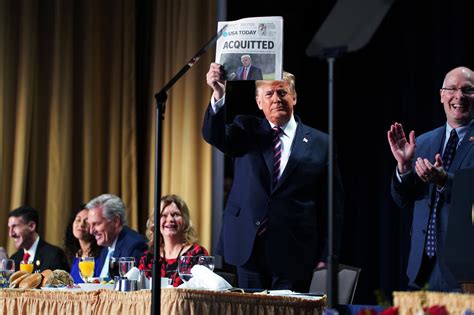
x=466, y=90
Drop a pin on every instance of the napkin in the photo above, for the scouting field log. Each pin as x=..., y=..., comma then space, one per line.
x=132, y=274
x=204, y=278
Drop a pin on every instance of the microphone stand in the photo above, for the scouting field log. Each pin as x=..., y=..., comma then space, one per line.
x=160, y=98
x=330, y=54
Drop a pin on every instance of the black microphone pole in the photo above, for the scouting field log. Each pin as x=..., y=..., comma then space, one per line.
x=160, y=98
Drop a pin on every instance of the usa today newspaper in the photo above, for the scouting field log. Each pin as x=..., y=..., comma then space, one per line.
x=251, y=48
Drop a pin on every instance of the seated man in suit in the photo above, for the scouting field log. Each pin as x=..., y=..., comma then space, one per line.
x=22, y=225
x=107, y=223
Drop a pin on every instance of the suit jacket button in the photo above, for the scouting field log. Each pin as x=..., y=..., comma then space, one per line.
x=257, y=223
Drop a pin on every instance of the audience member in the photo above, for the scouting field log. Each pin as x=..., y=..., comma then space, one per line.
x=108, y=224
x=78, y=242
x=23, y=223
x=423, y=179
x=177, y=238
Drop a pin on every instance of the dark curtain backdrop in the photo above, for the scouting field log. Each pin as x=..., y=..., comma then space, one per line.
x=396, y=77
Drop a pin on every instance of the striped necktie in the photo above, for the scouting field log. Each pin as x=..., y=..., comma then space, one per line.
x=276, y=155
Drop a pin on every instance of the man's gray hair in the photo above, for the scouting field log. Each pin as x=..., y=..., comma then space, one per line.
x=112, y=206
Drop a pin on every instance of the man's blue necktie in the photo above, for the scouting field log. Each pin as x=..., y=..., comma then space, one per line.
x=448, y=157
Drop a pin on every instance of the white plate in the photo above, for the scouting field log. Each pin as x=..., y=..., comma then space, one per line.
x=58, y=289
x=95, y=286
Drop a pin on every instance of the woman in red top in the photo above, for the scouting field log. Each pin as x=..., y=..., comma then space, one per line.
x=177, y=238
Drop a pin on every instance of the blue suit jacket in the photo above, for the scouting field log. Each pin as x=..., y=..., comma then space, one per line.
x=255, y=73
x=129, y=244
x=296, y=207
x=414, y=193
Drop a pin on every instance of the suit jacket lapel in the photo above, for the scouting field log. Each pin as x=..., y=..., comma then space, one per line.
x=463, y=148
x=436, y=143
x=39, y=255
x=118, y=246
x=264, y=140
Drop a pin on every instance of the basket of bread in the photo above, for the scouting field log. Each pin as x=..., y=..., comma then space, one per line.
x=48, y=278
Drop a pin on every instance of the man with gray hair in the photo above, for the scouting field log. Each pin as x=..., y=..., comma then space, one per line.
x=107, y=222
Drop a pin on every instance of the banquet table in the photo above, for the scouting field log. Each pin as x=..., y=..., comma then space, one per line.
x=173, y=301
x=411, y=303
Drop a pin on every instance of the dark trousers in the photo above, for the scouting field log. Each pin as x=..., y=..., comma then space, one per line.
x=257, y=272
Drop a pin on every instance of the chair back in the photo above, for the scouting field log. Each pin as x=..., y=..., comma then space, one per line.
x=347, y=277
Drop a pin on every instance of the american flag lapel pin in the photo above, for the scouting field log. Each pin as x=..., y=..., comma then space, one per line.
x=471, y=138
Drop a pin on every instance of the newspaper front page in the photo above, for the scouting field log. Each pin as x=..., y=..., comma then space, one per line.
x=251, y=48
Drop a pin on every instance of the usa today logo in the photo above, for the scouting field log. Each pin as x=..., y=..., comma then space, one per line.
x=239, y=32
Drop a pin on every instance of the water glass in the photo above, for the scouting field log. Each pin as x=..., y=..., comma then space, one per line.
x=125, y=264
x=185, y=264
x=113, y=267
x=7, y=268
x=207, y=261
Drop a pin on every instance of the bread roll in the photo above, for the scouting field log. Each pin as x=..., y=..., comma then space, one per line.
x=31, y=281
x=60, y=278
x=17, y=274
x=47, y=274
x=16, y=282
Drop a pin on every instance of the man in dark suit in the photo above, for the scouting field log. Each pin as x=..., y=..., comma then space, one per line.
x=22, y=226
x=274, y=223
x=248, y=71
x=423, y=179
x=107, y=223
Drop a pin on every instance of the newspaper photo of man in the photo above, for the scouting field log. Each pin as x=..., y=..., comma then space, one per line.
x=248, y=71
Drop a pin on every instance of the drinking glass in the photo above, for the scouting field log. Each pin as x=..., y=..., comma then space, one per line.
x=86, y=268
x=28, y=267
x=7, y=268
x=185, y=264
x=125, y=264
x=113, y=267
x=207, y=261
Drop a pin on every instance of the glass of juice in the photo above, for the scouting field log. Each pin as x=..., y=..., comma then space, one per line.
x=25, y=266
x=86, y=268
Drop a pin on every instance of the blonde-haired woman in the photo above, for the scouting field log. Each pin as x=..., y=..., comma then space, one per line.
x=177, y=238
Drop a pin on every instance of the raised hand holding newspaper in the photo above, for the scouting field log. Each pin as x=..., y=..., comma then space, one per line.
x=251, y=48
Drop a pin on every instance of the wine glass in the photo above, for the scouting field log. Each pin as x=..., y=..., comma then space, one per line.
x=7, y=268
x=125, y=264
x=185, y=264
x=207, y=261
x=86, y=268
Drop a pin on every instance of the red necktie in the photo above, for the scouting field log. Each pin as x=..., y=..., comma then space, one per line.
x=244, y=74
x=26, y=256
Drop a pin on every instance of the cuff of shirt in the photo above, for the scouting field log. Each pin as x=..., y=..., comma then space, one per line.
x=400, y=177
x=217, y=105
